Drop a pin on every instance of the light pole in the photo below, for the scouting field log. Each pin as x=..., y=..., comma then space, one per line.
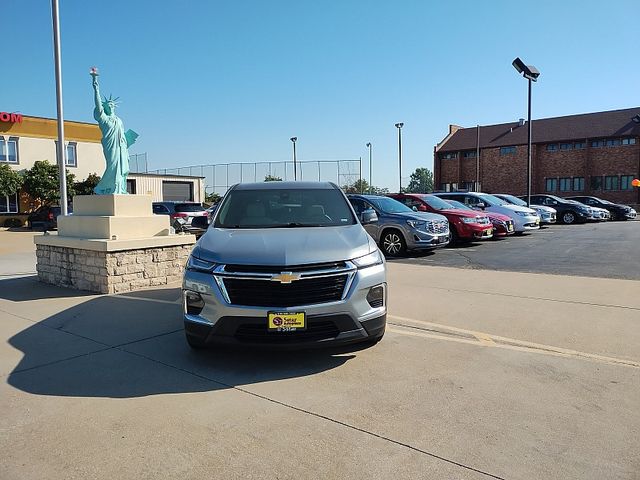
x=295, y=168
x=370, y=147
x=399, y=127
x=531, y=73
x=62, y=151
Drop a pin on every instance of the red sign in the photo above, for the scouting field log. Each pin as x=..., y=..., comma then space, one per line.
x=10, y=117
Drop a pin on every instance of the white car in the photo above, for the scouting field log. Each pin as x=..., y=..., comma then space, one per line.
x=524, y=218
x=547, y=214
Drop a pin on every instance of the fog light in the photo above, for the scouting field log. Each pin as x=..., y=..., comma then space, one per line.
x=194, y=302
x=375, y=297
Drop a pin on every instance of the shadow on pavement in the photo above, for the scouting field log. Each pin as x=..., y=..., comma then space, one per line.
x=24, y=289
x=135, y=346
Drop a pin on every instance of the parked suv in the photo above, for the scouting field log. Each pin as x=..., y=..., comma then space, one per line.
x=617, y=211
x=524, y=218
x=285, y=264
x=569, y=211
x=45, y=217
x=547, y=214
x=397, y=228
x=463, y=224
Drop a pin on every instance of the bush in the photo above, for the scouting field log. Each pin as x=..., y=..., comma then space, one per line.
x=13, y=223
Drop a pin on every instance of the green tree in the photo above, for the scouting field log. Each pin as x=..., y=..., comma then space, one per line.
x=87, y=185
x=41, y=182
x=421, y=181
x=272, y=178
x=212, y=198
x=10, y=180
x=359, y=186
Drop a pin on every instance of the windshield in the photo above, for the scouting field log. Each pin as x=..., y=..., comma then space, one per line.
x=435, y=202
x=389, y=205
x=514, y=200
x=492, y=201
x=457, y=205
x=189, y=207
x=284, y=208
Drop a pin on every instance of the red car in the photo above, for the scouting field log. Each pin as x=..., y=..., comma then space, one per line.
x=465, y=225
x=502, y=224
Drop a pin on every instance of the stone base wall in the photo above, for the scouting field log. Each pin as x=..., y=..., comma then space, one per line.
x=111, y=272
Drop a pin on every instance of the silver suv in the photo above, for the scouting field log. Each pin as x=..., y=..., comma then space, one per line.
x=397, y=228
x=285, y=264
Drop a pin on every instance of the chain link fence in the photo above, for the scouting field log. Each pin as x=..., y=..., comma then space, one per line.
x=219, y=177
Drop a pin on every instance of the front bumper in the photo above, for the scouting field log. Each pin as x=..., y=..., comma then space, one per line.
x=547, y=218
x=474, y=231
x=349, y=320
x=524, y=224
x=421, y=240
x=630, y=215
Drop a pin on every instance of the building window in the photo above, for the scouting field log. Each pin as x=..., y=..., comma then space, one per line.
x=470, y=154
x=449, y=187
x=566, y=146
x=629, y=141
x=552, y=147
x=565, y=184
x=9, y=203
x=131, y=186
x=72, y=155
x=611, y=182
x=9, y=150
x=625, y=182
x=579, y=145
x=448, y=156
x=596, y=183
x=613, y=142
x=578, y=184
x=597, y=143
x=507, y=150
x=551, y=184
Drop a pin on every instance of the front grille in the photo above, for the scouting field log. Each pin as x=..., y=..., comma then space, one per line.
x=265, y=293
x=259, y=333
x=437, y=227
x=279, y=269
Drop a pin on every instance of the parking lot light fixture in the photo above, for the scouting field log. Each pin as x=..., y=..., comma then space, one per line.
x=531, y=73
x=399, y=127
x=295, y=169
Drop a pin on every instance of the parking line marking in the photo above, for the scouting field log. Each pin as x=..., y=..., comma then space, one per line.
x=496, y=341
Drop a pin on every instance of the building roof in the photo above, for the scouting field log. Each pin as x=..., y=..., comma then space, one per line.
x=41, y=127
x=614, y=123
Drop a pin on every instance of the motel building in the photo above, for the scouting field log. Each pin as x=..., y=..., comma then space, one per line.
x=26, y=139
x=595, y=154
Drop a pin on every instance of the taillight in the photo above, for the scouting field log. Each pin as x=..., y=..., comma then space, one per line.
x=181, y=215
x=50, y=215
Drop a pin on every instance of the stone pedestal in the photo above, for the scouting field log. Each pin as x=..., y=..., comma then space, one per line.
x=112, y=244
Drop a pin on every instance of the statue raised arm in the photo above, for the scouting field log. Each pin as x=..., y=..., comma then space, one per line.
x=115, y=142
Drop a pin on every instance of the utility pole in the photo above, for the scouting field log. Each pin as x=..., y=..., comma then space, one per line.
x=62, y=151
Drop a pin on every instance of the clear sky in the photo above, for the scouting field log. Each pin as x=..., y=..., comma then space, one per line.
x=217, y=82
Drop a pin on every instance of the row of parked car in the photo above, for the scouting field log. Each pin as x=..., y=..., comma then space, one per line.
x=404, y=221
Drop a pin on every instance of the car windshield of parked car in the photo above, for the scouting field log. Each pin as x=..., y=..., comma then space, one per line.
x=514, y=200
x=189, y=207
x=435, y=202
x=457, y=205
x=492, y=201
x=389, y=205
x=280, y=208
x=605, y=202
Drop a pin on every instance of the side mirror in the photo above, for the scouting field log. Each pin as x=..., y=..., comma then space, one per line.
x=481, y=205
x=414, y=208
x=422, y=208
x=200, y=222
x=368, y=216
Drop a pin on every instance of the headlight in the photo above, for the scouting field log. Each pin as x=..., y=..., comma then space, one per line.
x=374, y=258
x=469, y=219
x=524, y=214
x=416, y=223
x=198, y=265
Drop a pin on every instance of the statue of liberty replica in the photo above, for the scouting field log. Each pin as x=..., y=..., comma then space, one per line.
x=115, y=143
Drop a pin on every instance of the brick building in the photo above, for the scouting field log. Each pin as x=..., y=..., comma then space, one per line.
x=590, y=154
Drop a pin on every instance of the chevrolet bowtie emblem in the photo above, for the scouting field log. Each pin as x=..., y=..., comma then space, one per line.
x=285, y=277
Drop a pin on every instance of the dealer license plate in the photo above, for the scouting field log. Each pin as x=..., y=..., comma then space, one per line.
x=287, y=321
x=510, y=228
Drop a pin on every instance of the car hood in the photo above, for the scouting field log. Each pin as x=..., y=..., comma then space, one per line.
x=284, y=246
x=518, y=208
x=420, y=216
x=462, y=213
x=544, y=208
x=497, y=216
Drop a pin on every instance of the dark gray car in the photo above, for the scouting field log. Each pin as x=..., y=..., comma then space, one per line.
x=397, y=228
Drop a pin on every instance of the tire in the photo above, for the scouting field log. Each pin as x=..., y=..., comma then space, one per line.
x=455, y=238
x=569, y=218
x=392, y=243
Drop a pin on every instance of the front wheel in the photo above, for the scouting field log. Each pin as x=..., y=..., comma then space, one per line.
x=568, y=218
x=393, y=243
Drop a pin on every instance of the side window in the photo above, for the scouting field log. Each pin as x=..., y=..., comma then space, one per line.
x=589, y=201
x=411, y=202
x=471, y=200
x=358, y=205
x=159, y=209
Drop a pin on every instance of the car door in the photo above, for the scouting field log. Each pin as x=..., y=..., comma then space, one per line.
x=360, y=205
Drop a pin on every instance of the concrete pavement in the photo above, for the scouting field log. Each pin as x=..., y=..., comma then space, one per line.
x=482, y=374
